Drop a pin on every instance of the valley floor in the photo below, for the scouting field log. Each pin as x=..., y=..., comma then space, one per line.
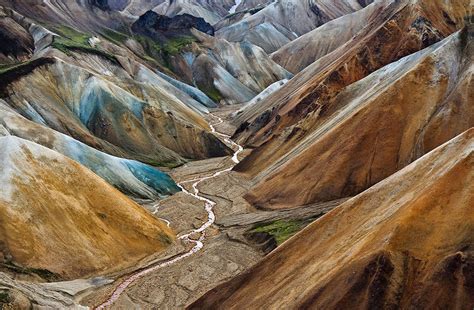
x=227, y=250
x=239, y=237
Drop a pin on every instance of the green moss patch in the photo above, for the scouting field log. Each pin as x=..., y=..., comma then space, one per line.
x=73, y=40
x=176, y=45
x=115, y=36
x=280, y=230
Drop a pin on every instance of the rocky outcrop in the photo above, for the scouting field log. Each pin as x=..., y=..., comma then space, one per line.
x=211, y=10
x=17, y=43
x=101, y=4
x=227, y=72
x=61, y=221
x=404, y=243
x=251, y=4
x=160, y=27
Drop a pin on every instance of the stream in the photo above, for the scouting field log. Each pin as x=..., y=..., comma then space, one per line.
x=186, y=238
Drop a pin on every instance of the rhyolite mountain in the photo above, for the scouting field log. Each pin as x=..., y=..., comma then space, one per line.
x=46, y=197
x=366, y=252
x=357, y=119
x=290, y=125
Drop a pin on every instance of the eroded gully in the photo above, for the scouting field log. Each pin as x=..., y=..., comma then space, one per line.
x=185, y=238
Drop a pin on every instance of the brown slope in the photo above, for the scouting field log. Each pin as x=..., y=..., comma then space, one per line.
x=17, y=43
x=404, y=27
x=405, y=243
x=376, y=127
x=58, y=218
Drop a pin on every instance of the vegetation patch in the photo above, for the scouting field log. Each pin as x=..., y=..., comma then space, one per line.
x=281, y=230
x=72, y=34
x=165, y=239
x=211, y=92
x=72, y=40
x=4, y=297
x=176, y=45
x=7, y=67
x=115, y=36
x=43, y=273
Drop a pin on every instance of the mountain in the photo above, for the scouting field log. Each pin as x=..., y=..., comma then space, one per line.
x=82, y=15
x=242, y=154
x=404, y=243
x=61, y=221
x=131, y=177
x=290, y=138
x=325, y=39
x=227, y=72
x=109, y=102
x=282, y=21
x=210, y=10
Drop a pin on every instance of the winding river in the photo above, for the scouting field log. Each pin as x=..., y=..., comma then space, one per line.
x=186, y=238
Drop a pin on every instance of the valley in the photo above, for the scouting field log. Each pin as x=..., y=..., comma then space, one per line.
x=236, y=154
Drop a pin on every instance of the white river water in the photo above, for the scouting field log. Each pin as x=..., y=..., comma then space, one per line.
x=186, y=238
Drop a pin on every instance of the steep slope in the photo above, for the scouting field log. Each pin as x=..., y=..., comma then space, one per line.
x=300, y=53
x=131, y=177
x=60, y=220
x=236, y=71
x=404, y=243
x=403, y=28
x=140, y=121
x=110, y=102
x=282, y=21
x=17, y=42
x=160, y=27
x=84, y=15
x=371, y=129
x=241, y=5
x=211, y=10
x=227, y=72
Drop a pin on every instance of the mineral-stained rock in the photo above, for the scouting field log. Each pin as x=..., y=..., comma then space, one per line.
x=61, y=221
x=404, y=243
x=371, y=129
x=131, y=177
x=282, y=21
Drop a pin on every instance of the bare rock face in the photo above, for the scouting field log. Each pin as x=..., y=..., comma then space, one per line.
x=368, y=150
x=131, y=177
x=159, y=27
x=280, y=22
x=61, y=221
x=17, y=42
x=325, y=39
x=404, y=243
x=101, y=4
x=298, y=112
